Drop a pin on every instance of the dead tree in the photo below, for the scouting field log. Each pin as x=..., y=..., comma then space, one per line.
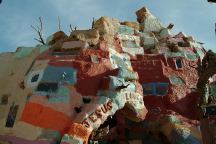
x=39, y=30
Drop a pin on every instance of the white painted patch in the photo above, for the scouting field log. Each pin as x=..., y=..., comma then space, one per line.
x=133, y=51
x=123, y=57
x=31, y=75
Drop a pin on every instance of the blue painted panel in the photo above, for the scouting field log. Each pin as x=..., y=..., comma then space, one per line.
x=161, y=88
x=148, y=89
x=60, y=74
x=158, y=89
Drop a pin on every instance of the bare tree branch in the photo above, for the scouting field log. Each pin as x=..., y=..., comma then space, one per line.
x=41, y=25
x=59, y=23
x=93, y=22
x=71, y=29
x=39, y=31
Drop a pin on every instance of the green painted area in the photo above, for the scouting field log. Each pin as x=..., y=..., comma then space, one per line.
x=199, y=52
x=71, y=140
x=176, y=80
x=165, y=32
x=130, y=44
x=42, y=48
x=62, y=96
x=123, y=63
x=191, y=57
x=184, y=54
x=173, y=119
x=24, y=51
x=212, y=88
x=49, y=39
x=127, y=74
x=125, y=30
x=175, y=54
x=94, y=59
x=50, y=134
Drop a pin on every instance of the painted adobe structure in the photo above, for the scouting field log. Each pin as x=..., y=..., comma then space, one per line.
x=119, y=82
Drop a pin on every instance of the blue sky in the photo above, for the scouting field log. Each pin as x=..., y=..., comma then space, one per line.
x=193, y=17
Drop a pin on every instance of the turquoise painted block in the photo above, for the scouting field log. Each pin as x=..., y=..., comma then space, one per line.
x=67, y=139
x=175, y=54
x=119, y=100
x=50, y=134
x=62, y=95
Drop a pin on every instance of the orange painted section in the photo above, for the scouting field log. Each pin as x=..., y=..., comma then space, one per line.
x=78, y=130
x=45, y=117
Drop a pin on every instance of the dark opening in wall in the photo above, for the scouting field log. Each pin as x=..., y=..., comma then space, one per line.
x=157, y=89
x=105, y=128
x=12, y=116
x=178, y=63
x=35, y=78
x=4, y=99
x=78, y=109
x=47, y=87
x=210, y=110
x=86, y=100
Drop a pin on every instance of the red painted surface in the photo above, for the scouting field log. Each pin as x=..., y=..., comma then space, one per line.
x=181, y=99
x=45, y=117
x=150, y=68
